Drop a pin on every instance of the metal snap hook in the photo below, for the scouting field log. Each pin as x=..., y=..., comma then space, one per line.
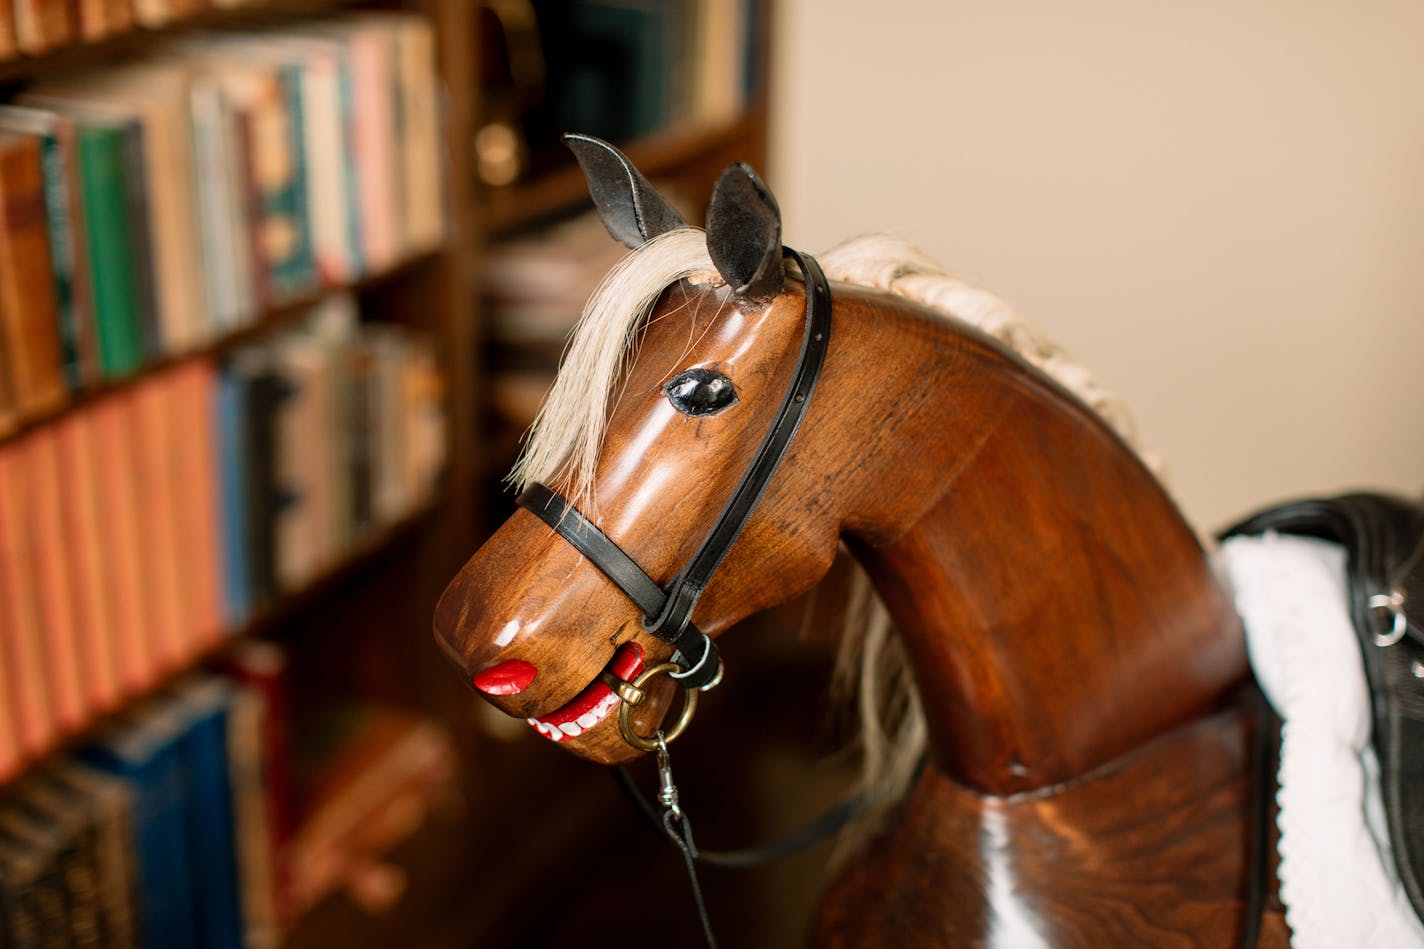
x=1394, y=604
x=661, y=738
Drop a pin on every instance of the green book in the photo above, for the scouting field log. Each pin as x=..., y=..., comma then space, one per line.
x=111, y=265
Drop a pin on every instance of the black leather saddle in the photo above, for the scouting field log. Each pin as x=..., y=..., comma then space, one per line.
x=1383, y=539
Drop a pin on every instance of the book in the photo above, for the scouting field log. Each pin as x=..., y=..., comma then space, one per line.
x=228, y=278
x=30, y=855
x=9, y=48
x=265, y=90
x=155, y=96
x=252, y=829
x=258, y=388
x=320, y=67
x=54, y=591
x=136, y=646
x=85, y=547
x=25, y=885
x=301, y=458
x=68, y=826
x=42, y=25
x=23, y=666
x=203, y=705
x=190, y=395
x=418, y=115
x=99, y=19
x=109, y=805
x=232, y=455
x=371, y=74
x=142, y=750
x=64, y=219
x=29, y=310
x=109, y=254
x=259, y=670
x=156, y=486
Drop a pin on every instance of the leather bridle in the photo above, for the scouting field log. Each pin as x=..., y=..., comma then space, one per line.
x=667, y=610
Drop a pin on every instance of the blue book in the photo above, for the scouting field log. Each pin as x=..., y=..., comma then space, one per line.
x=203, y=704
x=232, y=430
x=294, y=271
x=142, y=750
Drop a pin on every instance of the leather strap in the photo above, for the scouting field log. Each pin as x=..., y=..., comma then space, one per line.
x=667, y=613
x=687, y=587
x=694, y=646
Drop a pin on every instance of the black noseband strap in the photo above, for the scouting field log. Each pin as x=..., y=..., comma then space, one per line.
x=668, y=612
x=694, y=646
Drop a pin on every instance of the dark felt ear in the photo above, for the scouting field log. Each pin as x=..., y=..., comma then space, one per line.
x=744, y=234
x=632, y=211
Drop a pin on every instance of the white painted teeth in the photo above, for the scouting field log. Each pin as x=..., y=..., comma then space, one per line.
x=580, y=725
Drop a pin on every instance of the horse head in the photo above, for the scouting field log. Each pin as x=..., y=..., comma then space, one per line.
x=1012, y=532
x=654, y=419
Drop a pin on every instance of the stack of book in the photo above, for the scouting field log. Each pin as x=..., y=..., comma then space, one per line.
x=173, y=825
x=140, y=838
x=156, y=205
x=143, y=525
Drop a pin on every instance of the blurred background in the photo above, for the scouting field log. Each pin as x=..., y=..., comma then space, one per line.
x=283, y=281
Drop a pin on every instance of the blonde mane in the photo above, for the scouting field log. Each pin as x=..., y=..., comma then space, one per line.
x=564, y=443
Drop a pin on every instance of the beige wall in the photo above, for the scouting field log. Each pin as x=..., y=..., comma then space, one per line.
x=1217, y=206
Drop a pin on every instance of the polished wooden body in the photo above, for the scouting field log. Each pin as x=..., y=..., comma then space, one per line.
x=1060, y=615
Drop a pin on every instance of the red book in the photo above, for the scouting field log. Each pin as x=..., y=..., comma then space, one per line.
x=8, y=48
x=123, y=558
x=83, y=543
x=43, y=25
x=23, y=657
x=191, y=395
x=54, y=588
x=29, y=307
x=156, y=495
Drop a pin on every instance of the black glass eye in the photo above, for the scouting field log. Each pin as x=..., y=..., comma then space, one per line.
x=699, y=392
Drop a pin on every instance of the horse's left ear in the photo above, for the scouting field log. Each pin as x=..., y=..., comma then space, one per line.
x=744, y=234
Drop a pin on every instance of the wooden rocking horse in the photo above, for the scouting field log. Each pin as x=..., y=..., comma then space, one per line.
x=725, y=418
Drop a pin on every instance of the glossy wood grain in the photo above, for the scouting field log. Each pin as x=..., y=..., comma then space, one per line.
x=1060, y=614
x=1147, y=852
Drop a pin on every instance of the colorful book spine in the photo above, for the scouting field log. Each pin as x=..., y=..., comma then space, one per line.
x=54, y=591
x=22, y=662
x=111, y=265
x=232, y=426
x=143, y=752
x=29, y=310
x=204, y=706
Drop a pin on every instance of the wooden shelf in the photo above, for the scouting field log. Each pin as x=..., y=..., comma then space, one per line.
x=267, y=321
x=524, y=203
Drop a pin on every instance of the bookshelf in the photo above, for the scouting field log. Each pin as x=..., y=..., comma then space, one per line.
x=358, y=627
x=396, y=568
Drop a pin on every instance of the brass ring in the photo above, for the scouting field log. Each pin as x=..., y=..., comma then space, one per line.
x=625, y=711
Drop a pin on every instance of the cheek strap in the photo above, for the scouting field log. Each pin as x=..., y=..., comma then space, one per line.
x=667, y=612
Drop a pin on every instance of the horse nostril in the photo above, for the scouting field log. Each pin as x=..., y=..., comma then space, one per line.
x=506, y=678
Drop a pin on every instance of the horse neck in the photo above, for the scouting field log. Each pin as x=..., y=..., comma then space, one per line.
x=1055, y=605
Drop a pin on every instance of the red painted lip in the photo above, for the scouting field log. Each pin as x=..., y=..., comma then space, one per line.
x=506, y=678
x=594, y=703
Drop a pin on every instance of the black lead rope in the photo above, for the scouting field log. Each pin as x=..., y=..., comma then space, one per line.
x=677, y=828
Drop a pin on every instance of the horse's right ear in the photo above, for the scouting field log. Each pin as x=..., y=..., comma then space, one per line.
x=744, y=234
x=631, y=209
